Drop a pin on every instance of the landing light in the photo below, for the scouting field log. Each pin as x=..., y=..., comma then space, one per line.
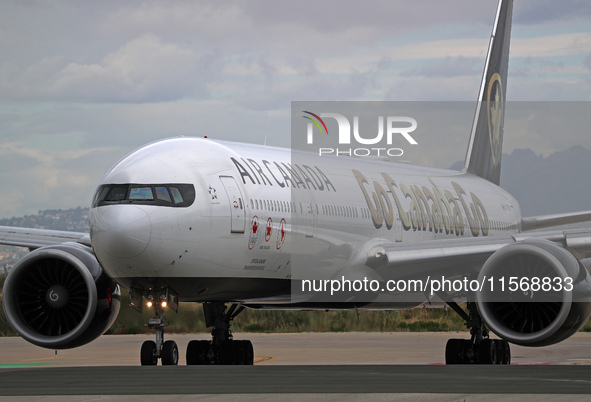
x=149, y=304
x=164, y=304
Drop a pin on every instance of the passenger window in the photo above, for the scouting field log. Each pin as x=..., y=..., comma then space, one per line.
x=162, y=194
x=141, y=193
x=176, y=195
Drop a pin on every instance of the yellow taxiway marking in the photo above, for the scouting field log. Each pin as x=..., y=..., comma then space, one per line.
x=264, y=359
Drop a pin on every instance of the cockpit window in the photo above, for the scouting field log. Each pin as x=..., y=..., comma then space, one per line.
x=141, y=193
x=169, y=195
x=101, y=194
x=176, y=194
x=162, y=194
x=117, y=194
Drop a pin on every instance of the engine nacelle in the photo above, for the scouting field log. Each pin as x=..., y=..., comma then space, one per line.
x=535, y=318
x=59, y=297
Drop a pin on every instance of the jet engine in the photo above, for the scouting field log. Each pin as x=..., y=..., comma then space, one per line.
x=59, y=297
x=541, y=293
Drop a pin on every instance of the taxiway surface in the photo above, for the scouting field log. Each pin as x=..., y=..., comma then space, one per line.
x=342, y=364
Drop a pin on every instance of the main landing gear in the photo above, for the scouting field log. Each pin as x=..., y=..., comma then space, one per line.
x=480, y=349
x=222, y=349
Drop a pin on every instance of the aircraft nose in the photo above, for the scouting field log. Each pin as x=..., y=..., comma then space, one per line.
x=123, y=231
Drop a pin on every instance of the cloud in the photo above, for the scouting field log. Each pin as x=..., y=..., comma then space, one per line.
x=150, y=52
x=274, y=21
x=194, y=21
x=544, y=11
x=145, y=69
x=448, y=67
x=33, y=178
x=546, y=126
x=587, y=62
x=552, y=45
x=91, y=81
x=425, y=88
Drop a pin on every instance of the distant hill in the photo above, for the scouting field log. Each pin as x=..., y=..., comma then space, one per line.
x=74, y=220
x=560, y=182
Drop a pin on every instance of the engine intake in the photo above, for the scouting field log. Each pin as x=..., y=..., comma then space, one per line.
x=59, y=297
x=535, y=318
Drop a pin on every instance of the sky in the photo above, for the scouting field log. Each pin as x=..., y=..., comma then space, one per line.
x=84, y=83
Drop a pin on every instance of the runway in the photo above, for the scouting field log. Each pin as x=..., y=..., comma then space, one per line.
x=342, y=365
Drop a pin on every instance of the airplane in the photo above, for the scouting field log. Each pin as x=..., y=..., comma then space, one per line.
x=234, y=226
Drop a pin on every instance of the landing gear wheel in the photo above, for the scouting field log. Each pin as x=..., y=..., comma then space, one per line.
x=487, y=352
x=222, y=349
x=457, y=351
x=197, y=352
x=148, y=354
x=170, y=354
x=503, y=352
x=237, y=353
x=480, y=349
x=247, y=353
x=453, y=352
x=225, y=353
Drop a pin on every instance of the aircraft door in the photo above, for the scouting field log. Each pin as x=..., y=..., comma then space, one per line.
x=306, y=211
x=398, y=229
x=237, y=204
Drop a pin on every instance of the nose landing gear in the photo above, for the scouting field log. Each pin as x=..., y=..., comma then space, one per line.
x=151, y=351
x=167, y=352
x=222, y=349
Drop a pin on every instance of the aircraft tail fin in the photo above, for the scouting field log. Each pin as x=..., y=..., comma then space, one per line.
x=486, y=139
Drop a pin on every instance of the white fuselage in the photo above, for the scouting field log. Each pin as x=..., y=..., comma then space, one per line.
x=259, y=210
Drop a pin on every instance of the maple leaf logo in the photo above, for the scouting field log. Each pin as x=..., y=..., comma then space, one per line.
x=496, y=112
